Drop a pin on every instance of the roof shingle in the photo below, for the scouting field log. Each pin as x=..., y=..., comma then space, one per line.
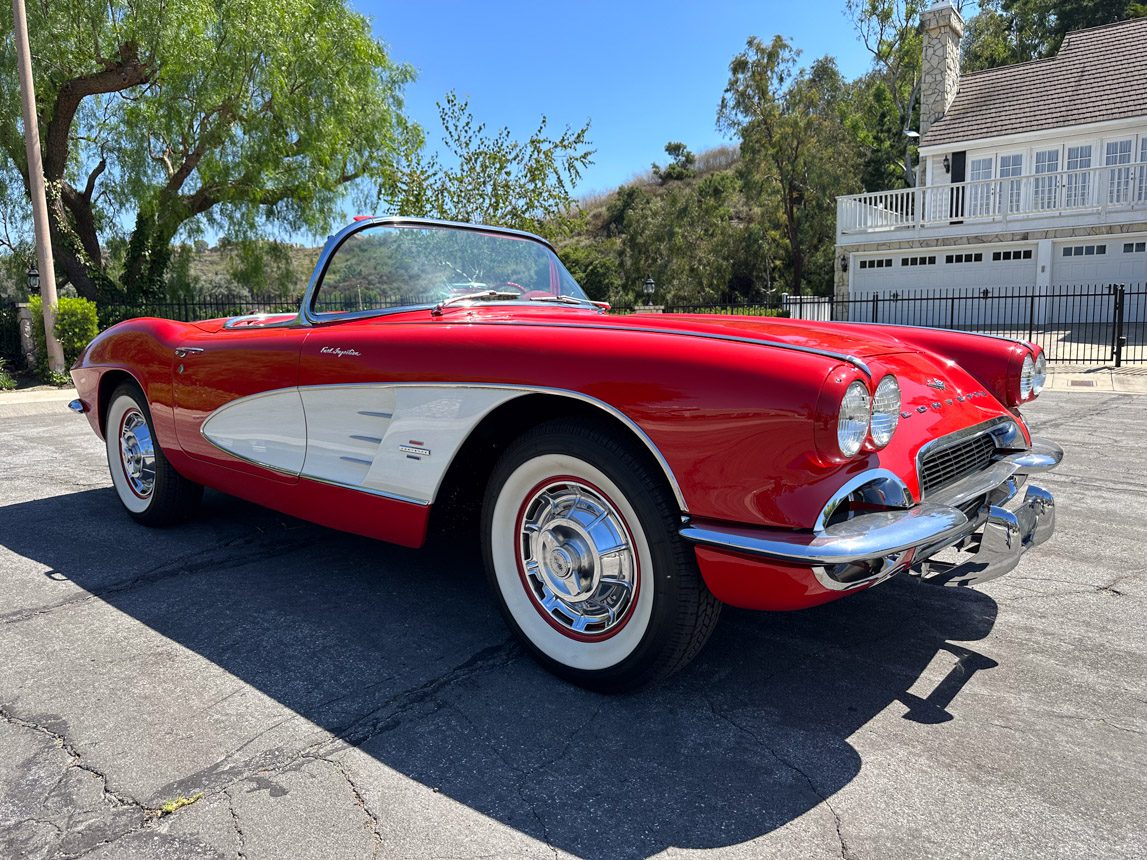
x=1099, y=74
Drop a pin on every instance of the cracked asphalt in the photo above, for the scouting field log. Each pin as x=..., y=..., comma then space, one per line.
x=320, y=695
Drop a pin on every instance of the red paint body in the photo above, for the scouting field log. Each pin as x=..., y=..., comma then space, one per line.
x=747, y=428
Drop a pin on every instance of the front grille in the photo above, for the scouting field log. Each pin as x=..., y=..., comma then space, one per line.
x=948, y=463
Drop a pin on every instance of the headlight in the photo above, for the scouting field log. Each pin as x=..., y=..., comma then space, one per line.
x=885, y=411
x=852, y=425
x=1027, y=377
x=1040, y=375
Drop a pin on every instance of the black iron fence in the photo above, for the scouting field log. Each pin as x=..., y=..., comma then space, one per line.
x=1085, y=324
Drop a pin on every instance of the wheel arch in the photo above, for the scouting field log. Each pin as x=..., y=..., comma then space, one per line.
x=469, y=470
x=110, y=380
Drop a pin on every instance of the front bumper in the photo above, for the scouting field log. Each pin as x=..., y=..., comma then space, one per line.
x=979, y=527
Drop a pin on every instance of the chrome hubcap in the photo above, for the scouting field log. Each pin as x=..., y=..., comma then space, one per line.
x=577, y=558
x=137, y=453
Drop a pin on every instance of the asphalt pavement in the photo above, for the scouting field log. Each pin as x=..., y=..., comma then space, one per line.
x=252, y=686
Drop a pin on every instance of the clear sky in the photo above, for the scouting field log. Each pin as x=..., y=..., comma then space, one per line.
x=643, y=72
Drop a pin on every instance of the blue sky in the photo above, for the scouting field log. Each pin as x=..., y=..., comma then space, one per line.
x=644, y=73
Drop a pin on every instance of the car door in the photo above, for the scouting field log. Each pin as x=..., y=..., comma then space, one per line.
x=235, y=399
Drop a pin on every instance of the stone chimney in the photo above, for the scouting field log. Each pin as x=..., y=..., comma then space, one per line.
x=940, y=73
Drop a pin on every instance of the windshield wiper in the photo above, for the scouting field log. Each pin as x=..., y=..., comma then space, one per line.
x=481, y=295
x=569, y=300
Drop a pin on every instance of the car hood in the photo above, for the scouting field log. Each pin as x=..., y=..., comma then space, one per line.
x=800, y=333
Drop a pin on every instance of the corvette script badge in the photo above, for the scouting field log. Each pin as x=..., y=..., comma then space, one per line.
x=938, y=384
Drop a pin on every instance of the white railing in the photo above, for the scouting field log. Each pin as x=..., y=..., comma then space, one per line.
x=1069, y=192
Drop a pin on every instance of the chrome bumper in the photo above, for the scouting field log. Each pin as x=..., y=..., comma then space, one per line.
x=872, y=547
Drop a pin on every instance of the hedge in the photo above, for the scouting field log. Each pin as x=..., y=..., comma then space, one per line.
x=76, y=325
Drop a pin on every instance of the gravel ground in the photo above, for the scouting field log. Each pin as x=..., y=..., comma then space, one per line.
x=321, y=695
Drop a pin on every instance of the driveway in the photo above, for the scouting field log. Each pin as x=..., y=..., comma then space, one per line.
x=301, y=693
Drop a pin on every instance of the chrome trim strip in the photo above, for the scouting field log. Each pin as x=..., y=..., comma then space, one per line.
x=974, y=485
x=871, y=536
x=1005, y=338
x=524, y=389
x=534, y=389
x=838, y=356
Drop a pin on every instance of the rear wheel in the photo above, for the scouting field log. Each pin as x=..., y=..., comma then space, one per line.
x=581, y=548
x=147, y=485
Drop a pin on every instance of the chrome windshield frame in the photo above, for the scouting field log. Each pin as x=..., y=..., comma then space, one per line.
x=308, y=315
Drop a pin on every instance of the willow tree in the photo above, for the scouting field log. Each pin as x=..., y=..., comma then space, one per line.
x=242, y=114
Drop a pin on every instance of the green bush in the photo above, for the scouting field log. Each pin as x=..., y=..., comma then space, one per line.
x=76, y=325
x=7, y=383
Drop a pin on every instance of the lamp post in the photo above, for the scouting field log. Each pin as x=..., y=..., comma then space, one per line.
x=33, y=280
x=36, y=187
x=649, y=288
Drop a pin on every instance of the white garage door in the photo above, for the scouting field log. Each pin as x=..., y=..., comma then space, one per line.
x=1081, y=271
x=916, y=287
x=1113, y=260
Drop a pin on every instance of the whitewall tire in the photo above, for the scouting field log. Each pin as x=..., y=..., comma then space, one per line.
x=149, y=488
x=580, y=541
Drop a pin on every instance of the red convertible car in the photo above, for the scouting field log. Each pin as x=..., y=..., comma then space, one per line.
x=631, y=473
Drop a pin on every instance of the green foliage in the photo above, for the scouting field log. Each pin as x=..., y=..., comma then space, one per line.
x=1015, y=31
x=681, y=167
x=237, y=114
x=493, y=179
x=7, y=383
x=76, y=325
x=797, y=153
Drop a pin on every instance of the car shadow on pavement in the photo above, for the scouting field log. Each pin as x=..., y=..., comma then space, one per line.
x=402, y=655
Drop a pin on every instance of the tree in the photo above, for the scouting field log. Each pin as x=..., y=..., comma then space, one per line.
x=796, y=153
x=1015, y=31
x=240, y=113
x=493, y=179
x=681, y=166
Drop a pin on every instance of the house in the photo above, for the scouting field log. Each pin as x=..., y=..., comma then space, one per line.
x=1032, y=176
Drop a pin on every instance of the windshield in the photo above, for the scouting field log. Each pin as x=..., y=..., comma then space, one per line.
x=388, y=266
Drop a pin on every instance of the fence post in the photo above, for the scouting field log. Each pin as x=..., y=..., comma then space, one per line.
x=876, y=307
x=1120, y=340
x=952, y=312
x=1031, y=316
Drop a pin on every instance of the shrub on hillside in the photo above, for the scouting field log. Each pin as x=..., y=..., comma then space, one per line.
x=76, y=325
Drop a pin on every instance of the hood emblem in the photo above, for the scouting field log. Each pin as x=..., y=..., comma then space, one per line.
x=938, y=384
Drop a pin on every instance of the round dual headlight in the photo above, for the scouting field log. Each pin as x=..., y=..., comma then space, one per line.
x=1039, y=376
x=855, y=412
x=1027, y=378
x=885, y=411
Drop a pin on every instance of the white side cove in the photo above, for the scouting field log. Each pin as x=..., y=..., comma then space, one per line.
x=394, y=440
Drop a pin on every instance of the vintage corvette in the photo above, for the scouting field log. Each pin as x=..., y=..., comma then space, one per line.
x=629, y=474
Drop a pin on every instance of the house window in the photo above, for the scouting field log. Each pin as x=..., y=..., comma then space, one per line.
x=1012, y=165
x=964, y=258
x=1077, y=184
x=981, y=194
x=1142, y=193
x=1118, y=160
x=917, y=261
x=1045, y=189
x=1134, y=247
x=1084, y=250
x=876, y=264
x=1012, y=255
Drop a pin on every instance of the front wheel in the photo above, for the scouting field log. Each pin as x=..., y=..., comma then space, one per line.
x=581, y=548
x=147, y=485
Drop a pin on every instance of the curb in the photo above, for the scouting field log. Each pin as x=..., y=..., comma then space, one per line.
x=22, y=404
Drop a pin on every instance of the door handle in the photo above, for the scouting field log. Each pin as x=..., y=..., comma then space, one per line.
x=184, y=351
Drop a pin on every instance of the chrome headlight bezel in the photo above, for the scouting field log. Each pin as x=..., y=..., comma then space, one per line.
x=1027, y=376
x=885, y=411
x=853, y=418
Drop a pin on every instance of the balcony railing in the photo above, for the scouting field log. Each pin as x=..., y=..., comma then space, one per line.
x=1100, y=190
